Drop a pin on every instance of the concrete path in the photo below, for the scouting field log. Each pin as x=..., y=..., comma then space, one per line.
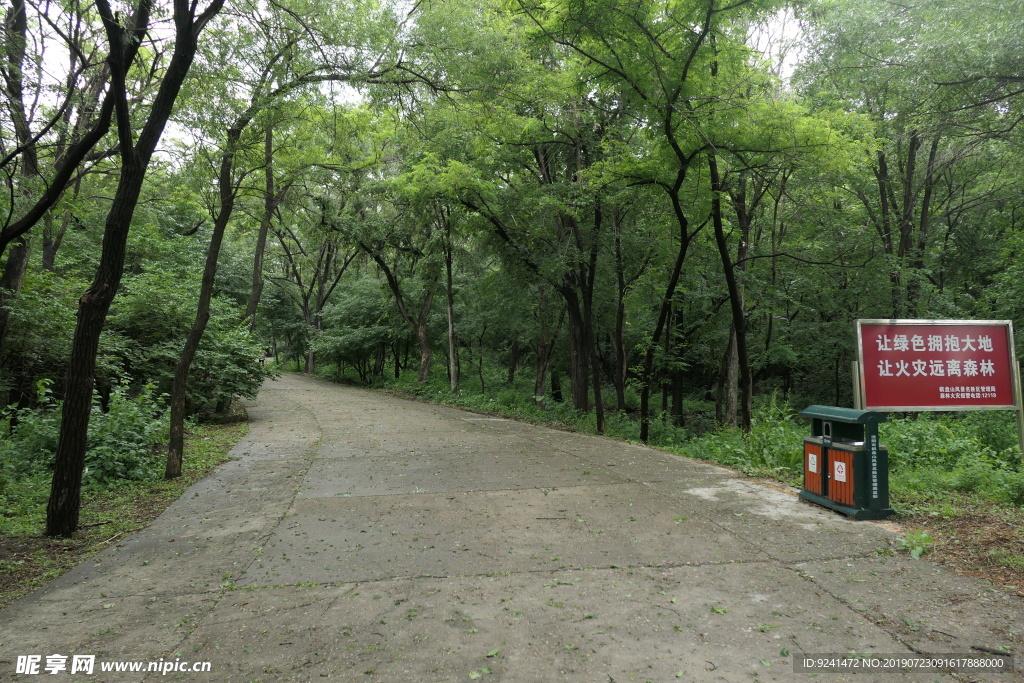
x=359, y=537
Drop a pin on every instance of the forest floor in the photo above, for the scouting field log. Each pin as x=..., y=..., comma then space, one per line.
x=986, y=544
x=28, y=562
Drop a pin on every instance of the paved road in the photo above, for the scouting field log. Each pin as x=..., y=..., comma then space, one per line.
x=360, y=537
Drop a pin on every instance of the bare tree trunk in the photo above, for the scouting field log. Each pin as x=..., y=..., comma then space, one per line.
x=735, y=296
x=179, y=389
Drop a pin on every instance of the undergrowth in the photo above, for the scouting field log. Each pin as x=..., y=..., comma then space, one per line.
x=28, y=560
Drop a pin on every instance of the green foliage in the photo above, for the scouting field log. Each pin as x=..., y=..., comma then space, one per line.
x=123, y=446
x=355, y=327
x=917, y=543
x=773, y=447
x=942, y=441
x=149, y=324
x=975, y=454
x=124, y=439
x=121, y=443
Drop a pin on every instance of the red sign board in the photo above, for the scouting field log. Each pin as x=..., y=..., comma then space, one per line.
x=936, y=365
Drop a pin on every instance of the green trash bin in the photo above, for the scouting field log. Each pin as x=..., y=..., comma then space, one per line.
x=845, y=467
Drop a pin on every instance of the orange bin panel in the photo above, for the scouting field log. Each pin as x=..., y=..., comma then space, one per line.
x=840, y=484
x=814, y=466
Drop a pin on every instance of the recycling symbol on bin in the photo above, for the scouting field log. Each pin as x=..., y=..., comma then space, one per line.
x=840, y=471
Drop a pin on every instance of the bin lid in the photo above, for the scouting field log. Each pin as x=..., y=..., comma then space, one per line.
x=848, y=415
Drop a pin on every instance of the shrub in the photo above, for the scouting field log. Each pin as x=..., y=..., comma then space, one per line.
x=121, y=442
x=774, y=445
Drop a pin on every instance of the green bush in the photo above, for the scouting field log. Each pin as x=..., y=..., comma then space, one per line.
x=930, y=442
x=773, y=447
x=121, y=444
x=123, y=441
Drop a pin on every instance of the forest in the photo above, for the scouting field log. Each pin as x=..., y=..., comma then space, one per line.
x=666, y=213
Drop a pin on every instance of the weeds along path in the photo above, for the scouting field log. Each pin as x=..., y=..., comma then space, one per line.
x=358, y=536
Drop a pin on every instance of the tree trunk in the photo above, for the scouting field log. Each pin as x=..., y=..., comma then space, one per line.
x=556, y=387
x=480, y=360
x=647, y=374
x=423, y=340
x=11, y=281
x=270, y=201
x=65, y=491
x=735, y=295
x=513, y=362
x=453, y=349
x=677, y=371
x=578, y=352
x=546, y=345
x=618, y=336
x=65, y=488
x=179, y=388
x=728, y=384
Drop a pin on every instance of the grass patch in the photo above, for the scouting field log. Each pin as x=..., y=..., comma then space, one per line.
x=30, y=560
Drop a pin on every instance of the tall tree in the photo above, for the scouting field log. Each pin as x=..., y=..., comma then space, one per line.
x=134, y=154
x=274, y=56
x=938, y=115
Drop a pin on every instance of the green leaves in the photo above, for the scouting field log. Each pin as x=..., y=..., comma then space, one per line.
x=917, y=543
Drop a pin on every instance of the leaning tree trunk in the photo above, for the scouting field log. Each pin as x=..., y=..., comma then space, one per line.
x=66, y=486
x=647, y=373
x=179, y=390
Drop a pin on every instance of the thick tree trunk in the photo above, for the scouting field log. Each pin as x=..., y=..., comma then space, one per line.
x=65, y=488
x=65, y=491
